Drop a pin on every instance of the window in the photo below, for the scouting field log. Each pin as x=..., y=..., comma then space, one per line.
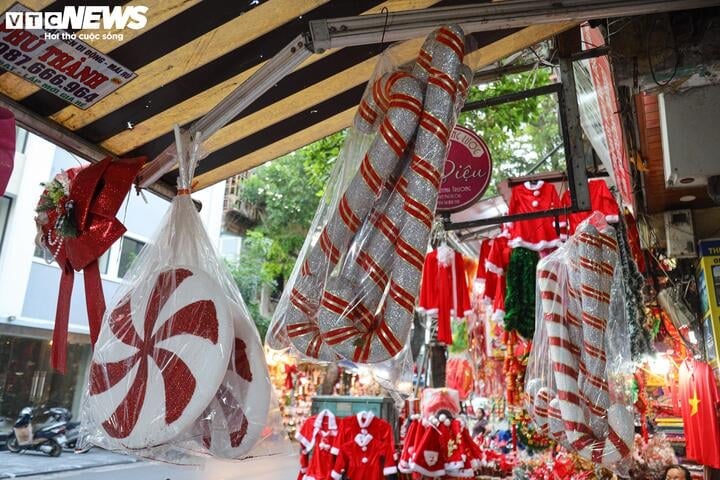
x=129, y=252
x=4, y=215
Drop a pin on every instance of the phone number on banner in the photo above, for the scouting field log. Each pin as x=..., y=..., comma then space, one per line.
x=78, y=92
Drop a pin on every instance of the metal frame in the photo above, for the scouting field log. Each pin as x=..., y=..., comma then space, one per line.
x=390, y=27
x=572, y=143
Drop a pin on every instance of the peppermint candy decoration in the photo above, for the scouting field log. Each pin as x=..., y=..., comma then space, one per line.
x=235, y=419
x=160, y=358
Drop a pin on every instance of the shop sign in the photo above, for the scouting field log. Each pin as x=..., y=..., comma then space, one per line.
x=604, y=86
x=709, y=292
x=59, y=62
x=467, y=172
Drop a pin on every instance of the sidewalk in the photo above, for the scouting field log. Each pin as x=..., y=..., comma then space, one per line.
x=13, y=465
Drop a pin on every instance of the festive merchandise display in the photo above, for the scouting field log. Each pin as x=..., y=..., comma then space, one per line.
x=178, y=370
x=76, y=225
x=444, y=289
x=580, y=348
x=520, y=292
x=376, y=228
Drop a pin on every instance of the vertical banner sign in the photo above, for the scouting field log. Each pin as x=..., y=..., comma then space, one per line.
x=57, y=61
x=467, y=172
x=604, y=84
x=709, y=291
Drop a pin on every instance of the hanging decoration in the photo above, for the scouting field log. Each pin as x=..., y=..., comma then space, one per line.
x=353, y=291
x=76, y=225
x=520, y=292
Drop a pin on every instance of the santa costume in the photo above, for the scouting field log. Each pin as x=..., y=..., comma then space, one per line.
x=316, y=436
x=537, y=233
x=496, y=265
x=428, y=459
x=601, y=200
x=444, y=289
x=364, y=423
x=409, y=444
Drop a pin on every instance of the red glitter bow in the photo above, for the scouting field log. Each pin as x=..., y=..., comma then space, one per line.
x=95, y=196
x=198, y=318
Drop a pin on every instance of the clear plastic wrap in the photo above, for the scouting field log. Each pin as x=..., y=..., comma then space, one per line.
x=353, y=290
x=178, y=371
x=580, y=361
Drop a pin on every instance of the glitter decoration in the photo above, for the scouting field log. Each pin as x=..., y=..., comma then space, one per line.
x=354, y=289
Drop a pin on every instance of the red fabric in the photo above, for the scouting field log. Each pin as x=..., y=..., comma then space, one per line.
x=484, y=252
x=497, y=262
x=444, y=289
x=7, y=147
x=408, y=446
x=363, y=463
x=539, y=233
x=459, y=376
x=699, y=402
x=317, y=435
x=429, y=456
x=381, y=431
x=601, y=200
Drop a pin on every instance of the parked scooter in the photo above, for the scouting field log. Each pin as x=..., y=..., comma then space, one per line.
x=49, y=438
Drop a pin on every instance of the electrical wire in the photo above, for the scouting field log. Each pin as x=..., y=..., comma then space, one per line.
x=649, y=57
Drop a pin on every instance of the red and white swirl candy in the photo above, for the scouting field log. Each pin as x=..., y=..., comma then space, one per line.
x=160, y=358
x=235, y=419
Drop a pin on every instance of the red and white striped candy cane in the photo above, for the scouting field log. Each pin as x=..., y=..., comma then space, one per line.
x=403, y=96
x=393, y=256
x=607, y=449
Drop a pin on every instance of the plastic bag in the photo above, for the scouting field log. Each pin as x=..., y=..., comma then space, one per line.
x=179, y=370
x=353, y=290
x=580, y=360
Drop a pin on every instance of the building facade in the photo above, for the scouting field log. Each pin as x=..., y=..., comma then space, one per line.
x=29, y=283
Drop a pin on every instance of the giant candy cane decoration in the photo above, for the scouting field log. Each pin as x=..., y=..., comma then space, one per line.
x=568, y=359
x=402, y=96
x=324, y=320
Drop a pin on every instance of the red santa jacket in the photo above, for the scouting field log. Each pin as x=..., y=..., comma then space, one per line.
x=539, y=233
x=317, y=436
x=444, y=289
x=367, y=422
x=363, y=458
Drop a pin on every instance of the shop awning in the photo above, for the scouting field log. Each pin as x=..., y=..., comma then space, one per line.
x=193, y=53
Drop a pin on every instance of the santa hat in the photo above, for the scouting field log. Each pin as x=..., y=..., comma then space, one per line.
x=428, y=458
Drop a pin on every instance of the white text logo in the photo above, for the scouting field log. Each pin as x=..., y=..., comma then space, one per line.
x=80, y=18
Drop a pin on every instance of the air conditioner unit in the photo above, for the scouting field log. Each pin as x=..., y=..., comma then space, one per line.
x=689, y=123
x=680, y=234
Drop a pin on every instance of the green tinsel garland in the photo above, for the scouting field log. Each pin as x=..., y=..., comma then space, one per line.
x=520, y=292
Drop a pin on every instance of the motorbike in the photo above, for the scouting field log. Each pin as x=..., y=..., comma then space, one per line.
x=49, y=438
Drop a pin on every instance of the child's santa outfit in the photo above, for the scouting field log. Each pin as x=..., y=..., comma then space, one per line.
x=444, y=289
x=539, y=233
x=428, y=459
x=496, y=265
x=409, y=444
x=383, y=439
x=317, y=436
x=601, y=200
x=363, y=458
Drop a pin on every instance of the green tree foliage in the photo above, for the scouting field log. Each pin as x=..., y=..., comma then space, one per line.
x=521, y=133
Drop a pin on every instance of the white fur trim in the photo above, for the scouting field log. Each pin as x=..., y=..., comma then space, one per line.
x=498, y=315
x=476, y=463
x=335, y=475
x=451, y=466
x=332, y=423
x=421, y=470
x=368, y=418
x=303, y=470
x=442, y=417
x=434, y=421
x=492, y=268
x=467, y=313
x=307, y=444
x=334, y=450
x=404, y=467
x=390, y=470
x=537, y=186
x=447, y=422
x=612, y=218
x=541, y=245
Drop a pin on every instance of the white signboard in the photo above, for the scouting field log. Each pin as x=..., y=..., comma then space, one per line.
x=57, y=61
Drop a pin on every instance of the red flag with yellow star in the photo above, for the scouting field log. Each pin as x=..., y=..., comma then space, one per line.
x=699, y=402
